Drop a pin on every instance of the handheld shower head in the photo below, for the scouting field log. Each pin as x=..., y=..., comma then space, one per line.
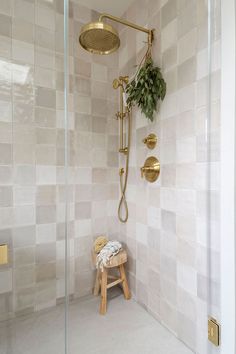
x=116, y=83
x=123, y=80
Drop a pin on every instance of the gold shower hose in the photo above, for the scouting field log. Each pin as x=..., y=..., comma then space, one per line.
x=123, y=184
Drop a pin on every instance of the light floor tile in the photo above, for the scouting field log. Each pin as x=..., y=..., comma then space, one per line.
x=126, y=329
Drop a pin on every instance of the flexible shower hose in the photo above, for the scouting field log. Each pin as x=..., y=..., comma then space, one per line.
x=123, y=185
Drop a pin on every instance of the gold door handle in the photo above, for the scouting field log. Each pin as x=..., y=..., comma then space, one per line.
x=151, y=169
x=150, y=141
x=3, y=254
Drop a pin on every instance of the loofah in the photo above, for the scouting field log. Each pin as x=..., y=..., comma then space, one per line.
x=99, y=243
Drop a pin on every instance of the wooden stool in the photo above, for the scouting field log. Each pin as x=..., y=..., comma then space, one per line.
x=102, y=279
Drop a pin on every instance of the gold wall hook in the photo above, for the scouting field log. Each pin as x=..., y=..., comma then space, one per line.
x=151, y=169
x=150, y=141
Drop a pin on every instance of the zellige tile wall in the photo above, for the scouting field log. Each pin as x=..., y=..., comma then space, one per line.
x=167, y=234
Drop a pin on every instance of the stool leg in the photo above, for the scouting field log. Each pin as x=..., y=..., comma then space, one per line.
x=103, y=304
x=124, y=283
x=97, y=283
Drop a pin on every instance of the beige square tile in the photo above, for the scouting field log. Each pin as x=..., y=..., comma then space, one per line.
x=6, y=175
x=5, y=132
x=22, y=51
x=82, y=68
x=6, y=196
x=24, y=256
x=46, y=136
x=44, y=38
x=5, y=27
x=168, y=315
x=24, y=10
x=5, y=154
x=168, y=12
x=46, y=195
x=187, y=72
x=46, y=175
x=187, y=278
x=24, y=154
x=99, y=72
x=83, y=104
x=45, y=97
x=5, y=47
x=187, y=18
x=5, y=281
x=23, y=113
x=187, y=46
x=169, y=35
x=45, y=253
x=45, y=77
x=22, y=30
x=44, y=58
x=45, y=233
x=6, y=7
x=24, y=277
x=45, y=17
x=24, y=236
x=45, y=214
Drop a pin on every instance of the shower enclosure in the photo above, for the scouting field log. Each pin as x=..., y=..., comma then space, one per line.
x=60, y=186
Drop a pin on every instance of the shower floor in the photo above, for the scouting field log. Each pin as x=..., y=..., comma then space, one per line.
x=126, y=329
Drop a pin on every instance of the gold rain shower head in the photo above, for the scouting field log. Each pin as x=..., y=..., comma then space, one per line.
x=99, y=38
x=102, y=38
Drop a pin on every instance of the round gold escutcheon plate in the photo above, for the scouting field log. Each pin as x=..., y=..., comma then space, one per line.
x=151, y=169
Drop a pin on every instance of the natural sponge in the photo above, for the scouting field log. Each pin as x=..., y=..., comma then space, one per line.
x=99, y=243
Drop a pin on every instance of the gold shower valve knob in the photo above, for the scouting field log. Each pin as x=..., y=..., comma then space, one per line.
x=151, y=169
x=150, y=141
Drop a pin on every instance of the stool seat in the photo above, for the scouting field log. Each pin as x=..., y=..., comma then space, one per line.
x=102, y=277
x=115, y=261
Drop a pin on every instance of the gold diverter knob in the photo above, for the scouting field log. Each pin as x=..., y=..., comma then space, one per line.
x=150, y=141
x=151, y=169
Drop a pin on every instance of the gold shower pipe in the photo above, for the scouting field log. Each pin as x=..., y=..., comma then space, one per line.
x=121, y=114
x=129, y=24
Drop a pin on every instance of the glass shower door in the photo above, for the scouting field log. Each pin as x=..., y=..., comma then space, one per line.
x=33, y=126
x=208, y=182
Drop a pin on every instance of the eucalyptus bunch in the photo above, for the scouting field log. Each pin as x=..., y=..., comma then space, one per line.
x=147, y=88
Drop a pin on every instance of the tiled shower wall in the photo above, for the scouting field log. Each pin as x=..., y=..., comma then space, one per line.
x=32, y=183
x=169, y=226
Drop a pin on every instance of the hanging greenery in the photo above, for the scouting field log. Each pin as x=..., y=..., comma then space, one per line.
x=147, y=87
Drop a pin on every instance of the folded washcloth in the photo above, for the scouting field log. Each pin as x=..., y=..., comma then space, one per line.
x=110, y=250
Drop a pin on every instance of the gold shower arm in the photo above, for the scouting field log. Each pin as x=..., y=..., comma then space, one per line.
x=129, y=24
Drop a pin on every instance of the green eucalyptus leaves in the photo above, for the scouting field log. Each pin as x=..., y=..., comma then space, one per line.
x=147, y=88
